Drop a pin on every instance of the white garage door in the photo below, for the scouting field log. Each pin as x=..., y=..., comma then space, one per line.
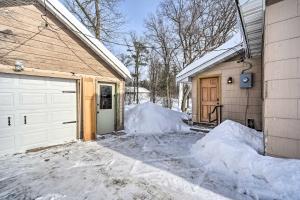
x=36, y=112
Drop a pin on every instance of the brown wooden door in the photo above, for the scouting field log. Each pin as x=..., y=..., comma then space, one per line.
x=209, y=97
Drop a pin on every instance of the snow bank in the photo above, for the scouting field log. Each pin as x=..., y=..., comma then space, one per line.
x=232, y=151
x=149, y=118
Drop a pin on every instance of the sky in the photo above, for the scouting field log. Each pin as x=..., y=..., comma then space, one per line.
x=135, y=13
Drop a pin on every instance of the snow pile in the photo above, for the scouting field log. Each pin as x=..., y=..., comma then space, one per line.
x=149, y=118
x=232, y=151
x=128, y=107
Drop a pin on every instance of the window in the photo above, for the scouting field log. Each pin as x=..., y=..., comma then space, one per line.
x=105, y=97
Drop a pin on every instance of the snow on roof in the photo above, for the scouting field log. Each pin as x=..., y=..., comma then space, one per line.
x=141, y=90
x=227, y=50
x=67, y=18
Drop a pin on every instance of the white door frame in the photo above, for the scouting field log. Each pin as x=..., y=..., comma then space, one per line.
x=113, y=110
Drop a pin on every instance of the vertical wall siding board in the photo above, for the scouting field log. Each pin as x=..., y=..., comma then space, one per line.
x=79, y=117
x=89, y=109
x=117, y=106
x=122, y=104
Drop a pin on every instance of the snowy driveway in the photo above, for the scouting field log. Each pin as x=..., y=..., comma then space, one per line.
x=113, y=167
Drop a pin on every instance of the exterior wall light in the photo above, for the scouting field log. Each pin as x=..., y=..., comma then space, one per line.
x=229, y=80
x=19, y=66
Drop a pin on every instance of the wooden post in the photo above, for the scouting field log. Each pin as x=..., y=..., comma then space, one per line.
x=89, y=108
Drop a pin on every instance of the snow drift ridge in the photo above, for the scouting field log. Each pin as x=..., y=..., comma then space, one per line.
x=149, y=118
x=232, y=151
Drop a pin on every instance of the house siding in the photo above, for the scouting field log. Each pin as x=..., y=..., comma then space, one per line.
x=53, y=51
x=282, y=79
x=23, y=36
x=233, y=98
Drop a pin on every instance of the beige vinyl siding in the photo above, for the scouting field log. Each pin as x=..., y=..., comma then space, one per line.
x=233, y=98
x=282, y=79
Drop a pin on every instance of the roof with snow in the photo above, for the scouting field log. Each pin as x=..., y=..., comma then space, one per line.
x=224, y=52
x=251, y=15
x=141, y=90
x=67, y=18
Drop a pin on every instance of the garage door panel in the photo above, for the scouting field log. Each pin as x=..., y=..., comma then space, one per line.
x=33, y=99
x=63, y=133
x=33, y=138
x=63, y=116
x=7, y=144
x=7, y=123
x=62, y=85
x=27, y=119
x=45, y=106
x=63, y=99
x=8, y=99
x=6, y=81
x=32, y=82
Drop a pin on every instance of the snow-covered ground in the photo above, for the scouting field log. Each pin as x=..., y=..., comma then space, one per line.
x=113, y=167
x=158, y=158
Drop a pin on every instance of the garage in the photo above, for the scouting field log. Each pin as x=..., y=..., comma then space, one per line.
x=50, y=68
x=36, y=112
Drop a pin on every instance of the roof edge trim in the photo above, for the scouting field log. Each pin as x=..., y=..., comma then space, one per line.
x=219, y=58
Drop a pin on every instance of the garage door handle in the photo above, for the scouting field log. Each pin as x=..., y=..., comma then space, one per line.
x=25, y=120
x=8, y=121
x=71, y=122
x=68, y=91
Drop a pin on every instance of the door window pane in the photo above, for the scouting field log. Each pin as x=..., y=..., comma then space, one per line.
x=105, y=97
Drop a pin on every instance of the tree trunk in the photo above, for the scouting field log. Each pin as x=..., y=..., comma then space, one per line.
x=168, y=91
x=137, y=86
x=134, y=80
x=186, y=91
x=98, y=16
x=153, y=94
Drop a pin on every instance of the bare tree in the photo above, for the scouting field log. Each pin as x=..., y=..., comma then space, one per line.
x=200, y=26
x=138, y=58
x=165, y=45
x=154, y=70
x=101, y=17
x=126, y=60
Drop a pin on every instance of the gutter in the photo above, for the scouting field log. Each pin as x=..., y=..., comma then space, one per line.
x=243, y=27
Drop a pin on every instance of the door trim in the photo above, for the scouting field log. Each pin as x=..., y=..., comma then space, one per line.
x=219, y=76
x=98, y=83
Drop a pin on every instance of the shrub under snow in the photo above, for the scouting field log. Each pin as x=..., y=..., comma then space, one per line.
x=232, y=151
x=149, y=118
